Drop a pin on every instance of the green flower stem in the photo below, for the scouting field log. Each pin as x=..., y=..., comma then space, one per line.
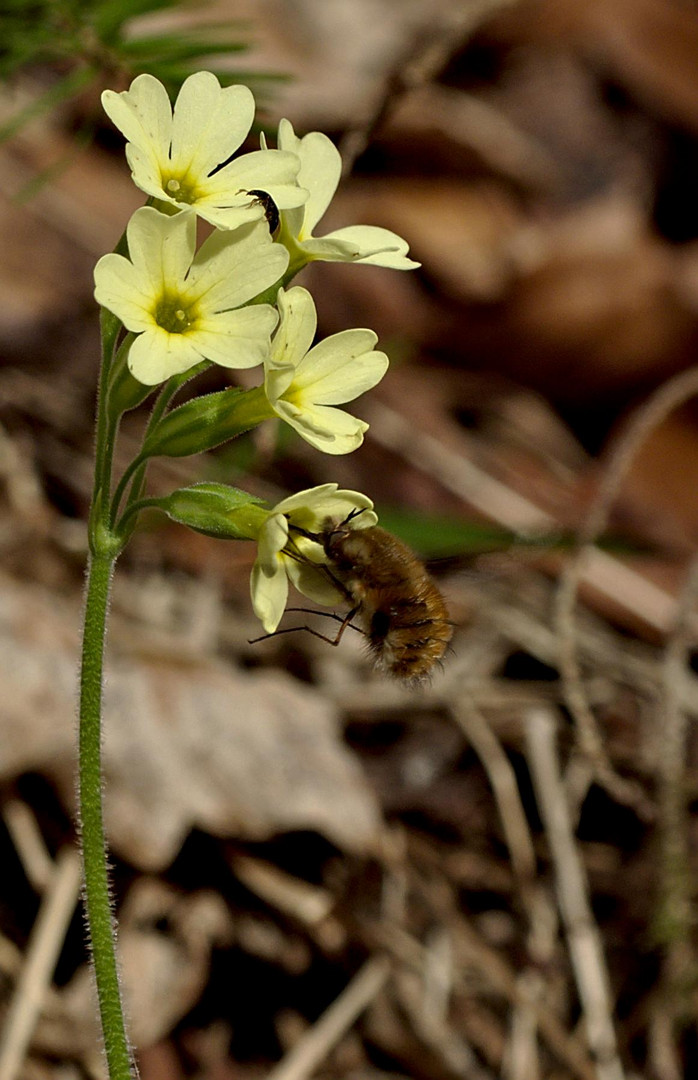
x=100, y=921
x=110, y=326
x=159, y=408
x=135, y=508
x=170, y=389
x=125, y=480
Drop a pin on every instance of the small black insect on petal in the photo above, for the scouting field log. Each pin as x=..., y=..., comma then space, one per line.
x=271, y=210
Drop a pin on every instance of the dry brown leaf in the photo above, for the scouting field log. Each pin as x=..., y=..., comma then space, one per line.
x=186, y=745
x=650, y=46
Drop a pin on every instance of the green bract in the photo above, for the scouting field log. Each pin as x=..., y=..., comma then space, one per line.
x=216, y=510
x=206, y=422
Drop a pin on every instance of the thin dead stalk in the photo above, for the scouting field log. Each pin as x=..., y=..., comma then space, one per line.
x=506, y=791
x=521, y=1053
x=441, y=37
x=648, y=417
x=675, y=916
x=583, y=938
x=312, y=1049
x=29, y=844
x=44, y=947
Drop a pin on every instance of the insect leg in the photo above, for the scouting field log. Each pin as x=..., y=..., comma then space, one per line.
x=331, y=615
x=345, y=621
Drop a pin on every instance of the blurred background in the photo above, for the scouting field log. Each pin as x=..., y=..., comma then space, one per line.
x=493, y=875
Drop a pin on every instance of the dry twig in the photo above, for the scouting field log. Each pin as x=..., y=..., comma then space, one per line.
x=29, y=844
x=674, y=918
x=644, y=421
x=44, y=946
x=583, y=937
x=441, y=37
x=302, y=1061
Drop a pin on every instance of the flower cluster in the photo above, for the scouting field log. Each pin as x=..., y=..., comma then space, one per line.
x=178, y=296
x=227, y=300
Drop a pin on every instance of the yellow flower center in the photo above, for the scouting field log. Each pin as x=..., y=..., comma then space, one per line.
x=180, y=189
x=173, y=316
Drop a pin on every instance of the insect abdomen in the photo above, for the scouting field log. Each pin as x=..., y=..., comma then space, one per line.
x=403, y=614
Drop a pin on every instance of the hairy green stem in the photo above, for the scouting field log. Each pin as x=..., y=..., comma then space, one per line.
x=100, y=922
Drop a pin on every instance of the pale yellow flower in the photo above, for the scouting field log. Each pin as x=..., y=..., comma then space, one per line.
x=185, y=156
x=320, y=171
x=304, y=384
x=284, y=554
x=186, y=305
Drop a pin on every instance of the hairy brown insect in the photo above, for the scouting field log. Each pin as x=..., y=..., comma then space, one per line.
x=397, y=605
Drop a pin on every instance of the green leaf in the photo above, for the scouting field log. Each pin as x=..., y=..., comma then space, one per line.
x=206, y=422
x=215, y=510
x=446, y=539
x=166, y=47
x=438, y=536
x=108, y=18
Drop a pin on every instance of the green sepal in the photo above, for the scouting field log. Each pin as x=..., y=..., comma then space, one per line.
x=124, y=392
x=103, y=542
x=206, y=422
x=110, y=326
x=216, y=510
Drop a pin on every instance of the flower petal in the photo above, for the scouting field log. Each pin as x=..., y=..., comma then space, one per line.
x=321, y=168
x=331, y=430
x=314, y=582
x=209, y=124
x=146, y=172
x=268, y=581
x=237, y=339
x=269, y=593
x=156, y=355
x=124, y=291
x=309, y=508
x=338, y=369
x=297, y=325
x=143, y=115
x=272, y=171
x=162, y=247
x=271, y=541
x=319, y=249
x=302, y=500
x=231, y=268
x=369, y=244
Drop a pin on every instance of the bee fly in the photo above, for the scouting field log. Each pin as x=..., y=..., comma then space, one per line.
x=400, y=611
